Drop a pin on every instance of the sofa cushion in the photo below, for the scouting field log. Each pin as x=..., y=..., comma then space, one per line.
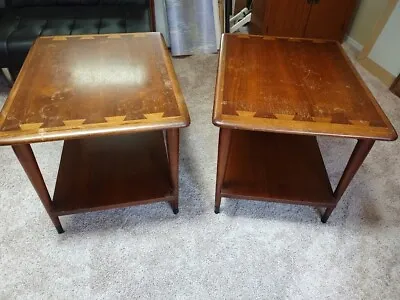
x=21, y=26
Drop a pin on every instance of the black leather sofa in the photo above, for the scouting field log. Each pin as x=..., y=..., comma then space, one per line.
x=22, y=21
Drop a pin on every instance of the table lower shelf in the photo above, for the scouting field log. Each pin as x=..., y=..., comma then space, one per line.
x=276, y=167
x=110, y=172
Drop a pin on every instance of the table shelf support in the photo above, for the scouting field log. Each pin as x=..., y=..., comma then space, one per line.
x=223, y=151
x=357, y=158
x=28, y=161
x=173, y=159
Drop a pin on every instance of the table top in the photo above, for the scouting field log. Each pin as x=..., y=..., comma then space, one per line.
x=78, y=86
x=298, y=86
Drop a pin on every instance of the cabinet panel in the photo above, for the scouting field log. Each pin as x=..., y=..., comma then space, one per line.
x=395, y=88
x=239, y=5
x=287, y=17
x=258, y=21
x=329, y=19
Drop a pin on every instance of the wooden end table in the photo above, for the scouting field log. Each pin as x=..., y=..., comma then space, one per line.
x=273, y=97
x=116, y=102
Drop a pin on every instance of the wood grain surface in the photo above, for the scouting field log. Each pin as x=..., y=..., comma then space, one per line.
x=330, y=19
x=278, y=167
x=79, y=86
x=299, y=86
x=286, y=17
x=113, y=171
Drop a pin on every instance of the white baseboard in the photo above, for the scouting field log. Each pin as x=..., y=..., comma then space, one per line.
x=352, y=42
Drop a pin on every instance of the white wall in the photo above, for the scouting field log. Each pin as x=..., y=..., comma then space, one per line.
x=218, y=29
x=366, y=17
x=161, y=19
x=386, y=51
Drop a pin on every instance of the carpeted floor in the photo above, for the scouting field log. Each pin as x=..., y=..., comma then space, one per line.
x=252, y=250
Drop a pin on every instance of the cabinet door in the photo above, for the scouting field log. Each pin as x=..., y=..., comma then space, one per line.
x=329, y=19
x=257, y=24
x=287, y=17
x=239, y=5
x=395, y=88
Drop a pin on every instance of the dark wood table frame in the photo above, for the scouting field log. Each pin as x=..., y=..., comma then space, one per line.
x=358, y=156
x=271, y=111
x=27, y=160
x=120, y=132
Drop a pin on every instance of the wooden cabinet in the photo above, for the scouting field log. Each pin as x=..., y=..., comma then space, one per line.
x=239, y=5
x=395, y=88
x=287, y=17
x=327, y=19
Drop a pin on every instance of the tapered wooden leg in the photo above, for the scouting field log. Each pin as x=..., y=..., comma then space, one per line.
x=173, y=157
x=327, y=214
x=358, y=156
x=27, y=159
x=223, y=151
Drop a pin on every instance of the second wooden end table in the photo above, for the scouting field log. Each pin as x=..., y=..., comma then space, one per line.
x=273, y=97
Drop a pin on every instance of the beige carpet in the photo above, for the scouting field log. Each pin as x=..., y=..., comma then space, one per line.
x=252, y=250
